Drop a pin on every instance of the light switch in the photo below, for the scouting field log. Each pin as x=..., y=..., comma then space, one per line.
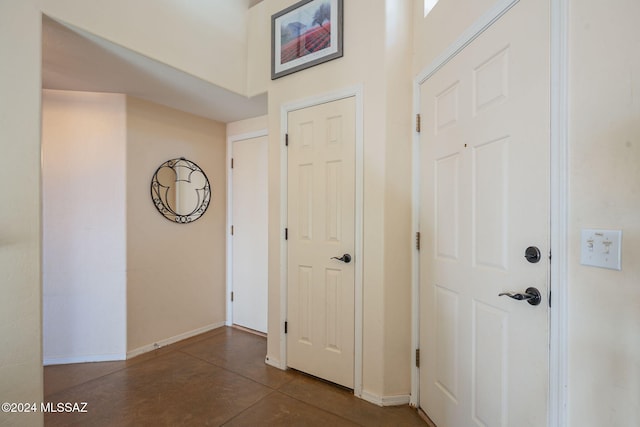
x=601, y=248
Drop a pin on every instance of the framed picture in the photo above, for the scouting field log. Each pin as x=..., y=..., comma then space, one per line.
x=305, y=34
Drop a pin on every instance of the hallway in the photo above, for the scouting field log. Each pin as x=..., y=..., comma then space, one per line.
x=217, y=378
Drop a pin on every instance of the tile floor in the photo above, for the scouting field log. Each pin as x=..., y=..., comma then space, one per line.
x=217, y=378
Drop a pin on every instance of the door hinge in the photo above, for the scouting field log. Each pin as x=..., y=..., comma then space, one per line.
x=232, y=163
x=418, y=127
x=286, y=327
x=232, y=230
x=417, y=240
x=286, y=139
x=286, y=234
x=231, y=296
x=417, y=357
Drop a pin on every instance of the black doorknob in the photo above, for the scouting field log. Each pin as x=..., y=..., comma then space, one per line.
x=346, y=258
x=531, y=295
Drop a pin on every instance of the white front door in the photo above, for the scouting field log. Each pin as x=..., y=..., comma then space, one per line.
x=321, y=228
x=249, y=240
x=484, y=199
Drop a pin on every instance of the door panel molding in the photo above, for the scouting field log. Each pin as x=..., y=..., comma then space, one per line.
x=466, y=38
x=348, y=92
x=558, y=352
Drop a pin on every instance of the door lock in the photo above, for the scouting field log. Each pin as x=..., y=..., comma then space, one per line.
x=532, y=254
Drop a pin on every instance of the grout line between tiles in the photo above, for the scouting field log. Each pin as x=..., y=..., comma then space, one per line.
x=317, y=407
x=235, y=372
x=248, y=407
x=142, y=358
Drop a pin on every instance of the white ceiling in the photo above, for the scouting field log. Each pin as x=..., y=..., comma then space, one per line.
x=75, y=60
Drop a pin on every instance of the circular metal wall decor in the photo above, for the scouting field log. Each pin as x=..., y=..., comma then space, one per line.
x=180, y=190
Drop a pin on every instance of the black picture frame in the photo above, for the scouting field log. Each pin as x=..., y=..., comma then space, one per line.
x=306, y=34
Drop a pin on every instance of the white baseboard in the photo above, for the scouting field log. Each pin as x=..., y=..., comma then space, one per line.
x=402, y=399
x=158, y=344
x=84, y=359
x=273, y=362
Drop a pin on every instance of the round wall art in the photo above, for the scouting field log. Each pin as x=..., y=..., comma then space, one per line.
x=180, y=190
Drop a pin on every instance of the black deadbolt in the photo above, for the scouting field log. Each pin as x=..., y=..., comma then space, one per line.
x=532, y=254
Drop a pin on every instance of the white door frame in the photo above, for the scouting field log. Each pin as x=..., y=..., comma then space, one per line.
x=229, y=276
x=354, y=91
x=557, y=405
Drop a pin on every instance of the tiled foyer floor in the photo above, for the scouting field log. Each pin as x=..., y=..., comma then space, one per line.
x=217, y=378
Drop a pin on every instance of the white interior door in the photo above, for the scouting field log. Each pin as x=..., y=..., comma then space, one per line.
x=249, y=240
x=321, y=228
x=485, y=199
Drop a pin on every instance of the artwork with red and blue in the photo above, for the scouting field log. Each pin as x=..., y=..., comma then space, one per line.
x=306, y=34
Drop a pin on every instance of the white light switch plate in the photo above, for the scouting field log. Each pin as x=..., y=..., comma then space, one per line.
x=601, y=248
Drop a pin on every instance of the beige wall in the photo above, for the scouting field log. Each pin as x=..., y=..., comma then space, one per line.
x=172, y=284
x=20, y=224
x=83, y=223
x=175, y=272
x=604, y=175
x=397, y=205
x=258, y=57
x=386, y=82
x=247, y=126
x=206, y=38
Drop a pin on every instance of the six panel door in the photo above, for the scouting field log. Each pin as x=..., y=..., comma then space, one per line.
x=321, y=216
x=484, y=199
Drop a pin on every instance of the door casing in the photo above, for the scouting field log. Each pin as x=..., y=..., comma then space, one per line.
x=357, y=92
